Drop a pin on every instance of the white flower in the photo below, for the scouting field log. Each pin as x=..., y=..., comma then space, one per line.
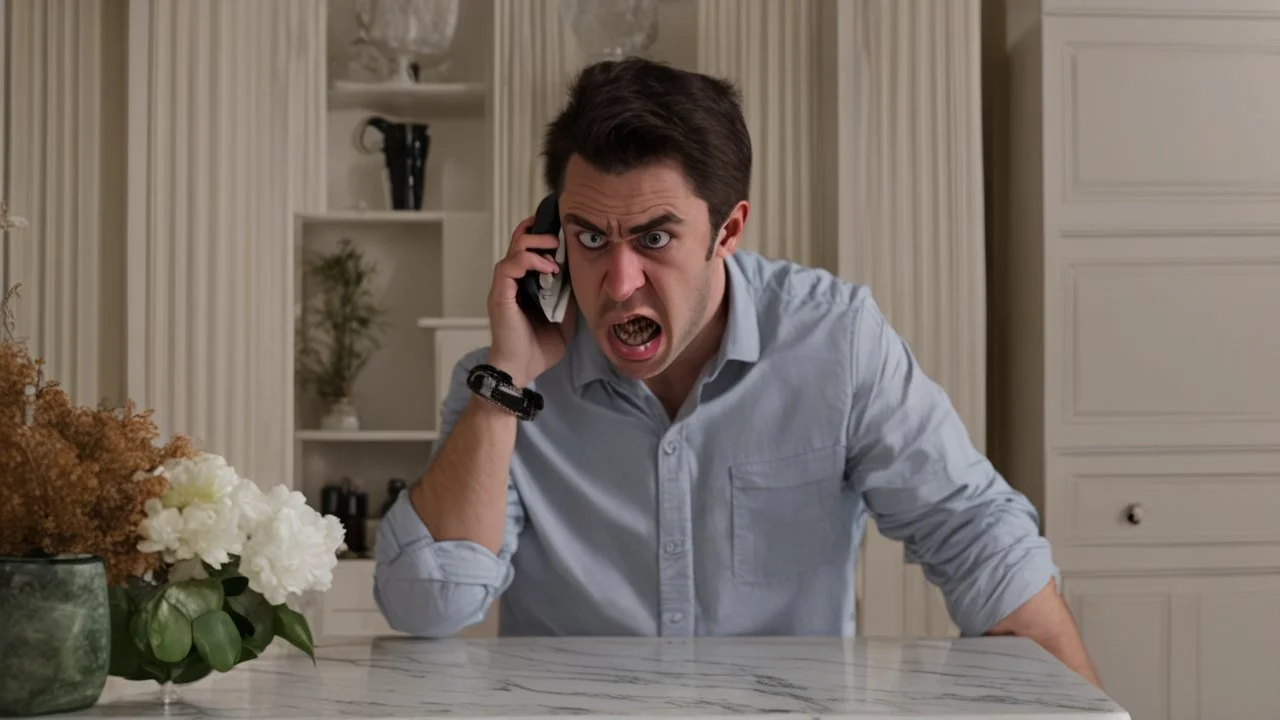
x=162, y=530
x=206, y=479
x=200, y=515
x=210, y=516
x=293, y=551
x=254, y=505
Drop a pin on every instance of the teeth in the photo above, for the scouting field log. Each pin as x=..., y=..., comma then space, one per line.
x=636, y=331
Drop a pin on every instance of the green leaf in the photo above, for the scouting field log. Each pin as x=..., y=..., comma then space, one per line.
x=292, y=626
x=192, y=669
x=243, y=626
x=125, y=655
x=217, y=640
x=138, y=631
x=154, y=670
x=253, y=609
x=168, y=631
x=149, y=668
x=234, y=585
x=194, y=598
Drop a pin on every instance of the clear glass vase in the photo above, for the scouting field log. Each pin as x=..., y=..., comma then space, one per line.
x=612, y=29
x=169, y=694
x=414, y=33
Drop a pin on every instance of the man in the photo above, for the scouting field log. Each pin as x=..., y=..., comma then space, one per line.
x=717, y=427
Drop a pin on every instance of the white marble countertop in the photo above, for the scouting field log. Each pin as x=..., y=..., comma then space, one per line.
x=634, y=678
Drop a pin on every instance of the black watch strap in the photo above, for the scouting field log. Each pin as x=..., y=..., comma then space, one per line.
x=497, y=387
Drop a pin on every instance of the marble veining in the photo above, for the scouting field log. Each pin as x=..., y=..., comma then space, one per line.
x=633, y=678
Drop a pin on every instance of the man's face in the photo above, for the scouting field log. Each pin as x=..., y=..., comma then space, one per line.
x=637, y=247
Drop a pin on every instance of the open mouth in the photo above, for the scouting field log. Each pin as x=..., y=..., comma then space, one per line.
x=636, y=340
x=637, y=331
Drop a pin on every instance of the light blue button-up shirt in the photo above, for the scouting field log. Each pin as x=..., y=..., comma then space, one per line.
x=744, y=514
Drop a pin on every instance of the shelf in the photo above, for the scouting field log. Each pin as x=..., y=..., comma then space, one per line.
x=423, y=101
x=453, y=323
x=335, y=217
x=355, y=436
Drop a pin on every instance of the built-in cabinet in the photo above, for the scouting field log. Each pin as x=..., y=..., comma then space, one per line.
x=1143, y=280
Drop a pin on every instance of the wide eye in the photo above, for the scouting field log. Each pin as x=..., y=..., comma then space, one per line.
x=655, y=239
x=591, y=240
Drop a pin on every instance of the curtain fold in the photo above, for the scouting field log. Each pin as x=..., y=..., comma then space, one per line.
x=58, y=171
x=917, y=233
x=770, y=49
x=226, y=134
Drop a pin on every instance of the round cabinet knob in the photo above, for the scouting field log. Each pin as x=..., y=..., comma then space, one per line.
x=1133, y=514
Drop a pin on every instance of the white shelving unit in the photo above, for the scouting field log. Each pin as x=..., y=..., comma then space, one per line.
x=433, y=271
x=446, y=98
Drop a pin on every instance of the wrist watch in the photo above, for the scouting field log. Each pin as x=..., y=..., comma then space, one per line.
x=496, y=386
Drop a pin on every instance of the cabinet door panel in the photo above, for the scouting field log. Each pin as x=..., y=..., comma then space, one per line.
x=1183, y=647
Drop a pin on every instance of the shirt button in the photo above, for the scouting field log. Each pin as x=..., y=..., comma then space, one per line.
x=669, y=447
x=674, y=617
x=673, y=545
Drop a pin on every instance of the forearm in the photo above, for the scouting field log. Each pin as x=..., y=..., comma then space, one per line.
x=1046, y=619
x=463, y=495
x=429, y=589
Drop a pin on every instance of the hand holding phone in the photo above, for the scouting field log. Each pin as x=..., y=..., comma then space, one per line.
x=546, y=295
x=531, y=310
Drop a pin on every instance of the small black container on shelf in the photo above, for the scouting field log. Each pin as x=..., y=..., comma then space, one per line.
x=347, y=502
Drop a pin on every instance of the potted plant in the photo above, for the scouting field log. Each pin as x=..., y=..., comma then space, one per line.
x=120, y=555
x=339, y=331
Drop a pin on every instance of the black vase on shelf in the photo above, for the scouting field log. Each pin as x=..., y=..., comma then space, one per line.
x=405, y=147
x=350, y=505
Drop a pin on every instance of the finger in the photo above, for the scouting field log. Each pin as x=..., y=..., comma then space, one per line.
x=515, y=266
x=522, y=239
x=535, y=242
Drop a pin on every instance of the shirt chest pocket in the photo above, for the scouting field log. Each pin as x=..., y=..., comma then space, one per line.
x=787, y=514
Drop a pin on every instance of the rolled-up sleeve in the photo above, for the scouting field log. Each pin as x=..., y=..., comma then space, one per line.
x=430, y=588
x=925, y=483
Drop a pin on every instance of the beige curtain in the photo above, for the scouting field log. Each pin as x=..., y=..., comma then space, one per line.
x=164, y=272
x=918, y=232
x=63, y=174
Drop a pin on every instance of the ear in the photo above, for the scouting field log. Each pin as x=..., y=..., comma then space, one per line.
x=731, y=231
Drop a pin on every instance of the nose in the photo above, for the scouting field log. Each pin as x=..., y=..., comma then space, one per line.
x=625, y=273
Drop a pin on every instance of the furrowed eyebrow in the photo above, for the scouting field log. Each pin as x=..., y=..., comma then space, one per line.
x=575, y=219
x=648, y=225
x=654, y=224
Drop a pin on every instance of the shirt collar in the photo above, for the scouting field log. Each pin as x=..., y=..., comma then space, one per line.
x=741, y=341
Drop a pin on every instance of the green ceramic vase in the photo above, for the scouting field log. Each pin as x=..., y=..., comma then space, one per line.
x=55, y=631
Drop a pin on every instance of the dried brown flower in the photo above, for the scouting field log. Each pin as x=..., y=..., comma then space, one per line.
x=76, y=479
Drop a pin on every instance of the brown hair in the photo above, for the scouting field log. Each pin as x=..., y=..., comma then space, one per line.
x=624, y=113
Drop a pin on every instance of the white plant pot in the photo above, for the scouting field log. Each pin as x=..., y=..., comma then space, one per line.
x=341, y=416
